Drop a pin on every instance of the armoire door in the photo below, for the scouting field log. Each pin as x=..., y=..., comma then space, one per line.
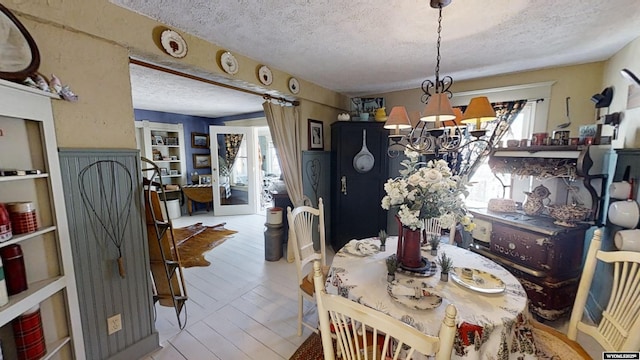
x=357, y=184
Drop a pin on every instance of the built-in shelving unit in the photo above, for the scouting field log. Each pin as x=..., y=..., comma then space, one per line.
x=28, y=142
x=164, y=145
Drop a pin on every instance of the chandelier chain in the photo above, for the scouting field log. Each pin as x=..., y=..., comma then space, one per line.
x=438, y=48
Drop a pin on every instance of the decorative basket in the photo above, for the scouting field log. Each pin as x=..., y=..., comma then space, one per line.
x=502, y=205
x=568, y=215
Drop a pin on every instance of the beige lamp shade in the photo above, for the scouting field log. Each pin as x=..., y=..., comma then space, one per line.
x=414, y=117
x=398, y=119
x=438, y=109
x=457, y=122
x=479, y=111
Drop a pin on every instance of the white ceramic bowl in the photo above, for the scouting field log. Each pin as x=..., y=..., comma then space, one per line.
x=624, y=213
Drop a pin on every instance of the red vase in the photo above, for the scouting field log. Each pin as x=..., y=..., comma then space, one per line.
x=409, y=253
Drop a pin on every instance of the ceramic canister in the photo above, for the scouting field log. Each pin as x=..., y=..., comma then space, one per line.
x=29, y=335
x=15, y=272
x=5, y=224
x=23, y=217
x=274, y=216
x=4, y=296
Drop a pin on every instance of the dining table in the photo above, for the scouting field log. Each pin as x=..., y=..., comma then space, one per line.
x=492, y=319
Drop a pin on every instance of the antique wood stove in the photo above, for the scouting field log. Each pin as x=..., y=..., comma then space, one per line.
x=544, y=256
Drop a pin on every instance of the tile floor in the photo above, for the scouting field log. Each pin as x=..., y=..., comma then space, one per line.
x=241, y=306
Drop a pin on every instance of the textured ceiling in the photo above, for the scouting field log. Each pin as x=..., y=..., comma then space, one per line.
x=363, y=47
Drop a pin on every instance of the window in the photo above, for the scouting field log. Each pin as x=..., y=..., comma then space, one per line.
x=485, y=185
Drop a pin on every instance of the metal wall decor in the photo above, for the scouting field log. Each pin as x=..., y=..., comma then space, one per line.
x=19, y=56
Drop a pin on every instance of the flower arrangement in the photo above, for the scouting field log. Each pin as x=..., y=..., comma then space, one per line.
x=427, y=190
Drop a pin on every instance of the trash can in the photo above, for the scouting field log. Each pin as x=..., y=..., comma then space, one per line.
x=173, y=207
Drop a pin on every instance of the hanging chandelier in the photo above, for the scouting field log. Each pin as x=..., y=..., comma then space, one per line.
x=439, y=128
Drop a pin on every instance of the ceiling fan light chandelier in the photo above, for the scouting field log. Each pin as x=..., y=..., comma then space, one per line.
x=440, y=127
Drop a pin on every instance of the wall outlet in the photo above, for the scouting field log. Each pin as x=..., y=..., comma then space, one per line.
x=114, y=324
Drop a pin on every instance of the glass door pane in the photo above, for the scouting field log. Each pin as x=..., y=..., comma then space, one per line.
x=233, y=173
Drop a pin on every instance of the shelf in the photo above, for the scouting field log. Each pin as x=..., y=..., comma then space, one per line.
x=22, y=237
x=34, y=295
x=54, y=347
x=27, y=115
x=22, y=177
x=146, y=132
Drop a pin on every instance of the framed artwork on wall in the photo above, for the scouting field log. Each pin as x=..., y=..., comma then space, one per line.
x=201, y=161
x=316, y=136
x=199, y=140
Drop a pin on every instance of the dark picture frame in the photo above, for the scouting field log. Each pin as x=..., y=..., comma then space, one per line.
x=316, y=135
x=201, y=161
x=199, y=140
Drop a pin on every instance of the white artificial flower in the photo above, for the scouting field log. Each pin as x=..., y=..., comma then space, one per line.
x=426, y=191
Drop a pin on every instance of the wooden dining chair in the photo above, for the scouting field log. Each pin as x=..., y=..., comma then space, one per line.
x=432, y=227
x=301, y=229
x=619, y=329
x=357, y=329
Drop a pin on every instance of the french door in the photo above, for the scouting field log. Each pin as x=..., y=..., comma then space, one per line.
x=233, y=169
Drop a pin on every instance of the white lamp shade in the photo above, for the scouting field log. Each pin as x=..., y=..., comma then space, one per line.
x=438, y=109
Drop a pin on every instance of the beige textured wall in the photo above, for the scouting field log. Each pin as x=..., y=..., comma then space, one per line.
x=578, y=82
x=629, y=132
x=87, y=44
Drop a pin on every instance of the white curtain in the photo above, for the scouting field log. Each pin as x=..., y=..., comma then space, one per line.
x=284, y=125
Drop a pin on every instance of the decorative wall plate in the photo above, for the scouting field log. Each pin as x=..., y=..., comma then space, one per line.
x=173, y=44
x=229, y=63
x=264, y=75
x=294, y=86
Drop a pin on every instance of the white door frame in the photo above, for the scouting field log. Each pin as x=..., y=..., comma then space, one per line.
x=251, y=139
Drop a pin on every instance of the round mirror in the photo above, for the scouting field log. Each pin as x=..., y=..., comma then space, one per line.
x=19, y=55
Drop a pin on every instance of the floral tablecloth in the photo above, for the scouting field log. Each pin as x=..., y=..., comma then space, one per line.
x=490, y=326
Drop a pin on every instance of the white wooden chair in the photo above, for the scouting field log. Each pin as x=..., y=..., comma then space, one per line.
x=619, y=329
x=301, y=230
x=432, y=227
x=383, y=335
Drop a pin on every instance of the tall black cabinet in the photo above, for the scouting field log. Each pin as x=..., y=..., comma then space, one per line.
x=356, y=194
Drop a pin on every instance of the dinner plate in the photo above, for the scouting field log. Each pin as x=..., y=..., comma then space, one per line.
x=428, y=300
x=477, y=280
x=361, y=248
x=173, y=44
x=229, y=63
x=265, y=76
